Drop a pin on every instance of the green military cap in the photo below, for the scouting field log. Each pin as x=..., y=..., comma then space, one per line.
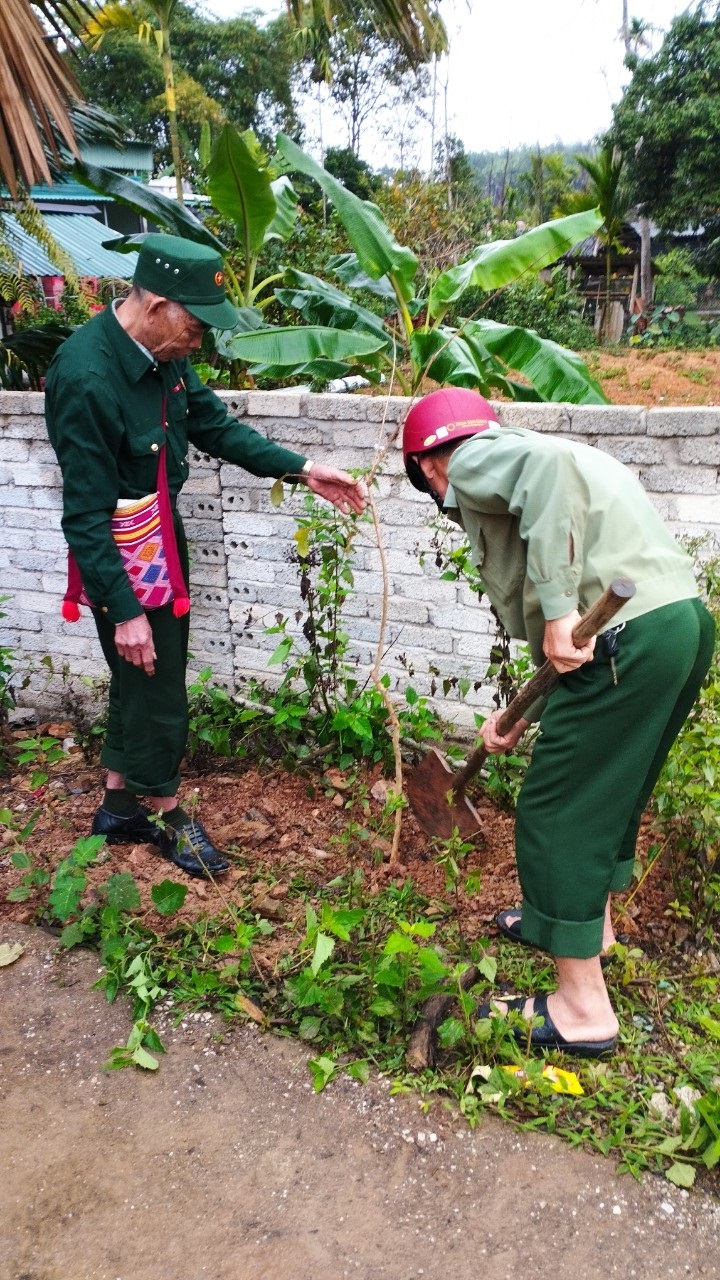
x=188, y=273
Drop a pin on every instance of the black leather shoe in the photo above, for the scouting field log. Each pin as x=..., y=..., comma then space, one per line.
x=137, y=827
x=192, y=850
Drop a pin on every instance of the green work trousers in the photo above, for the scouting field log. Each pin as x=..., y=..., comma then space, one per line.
x=148, y=715
x=604, y=736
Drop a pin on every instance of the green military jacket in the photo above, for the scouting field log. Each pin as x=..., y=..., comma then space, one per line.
x=551, y=522
x=104, y=401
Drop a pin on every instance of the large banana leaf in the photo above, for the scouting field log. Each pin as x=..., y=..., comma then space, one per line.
x=347, y=268
x=321, y=303
x=249, y=320
x=238, y=184
x=318, y=370
x=450, y=358
x=377, y=249
x=168, y=214
x=286, y=210
x=491, y=266
x=289, y=346
x=555, y=373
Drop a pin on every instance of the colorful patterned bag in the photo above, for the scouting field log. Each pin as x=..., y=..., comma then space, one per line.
x=145, y=536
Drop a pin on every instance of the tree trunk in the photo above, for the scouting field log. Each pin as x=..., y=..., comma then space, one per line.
x=172, y=112
x=646, y=280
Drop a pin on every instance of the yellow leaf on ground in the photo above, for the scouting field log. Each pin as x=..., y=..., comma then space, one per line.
x=9, y=953
x=561, y=1081
x=248, y=1006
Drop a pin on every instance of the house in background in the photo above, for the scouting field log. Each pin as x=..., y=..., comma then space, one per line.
x=587, y=266
x=81, y=221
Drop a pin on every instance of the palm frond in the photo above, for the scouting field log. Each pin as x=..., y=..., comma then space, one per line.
x=414, y=25
x=38, y=91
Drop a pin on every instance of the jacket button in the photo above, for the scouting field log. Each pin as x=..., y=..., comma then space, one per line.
x=103, y=608
x=154, y=448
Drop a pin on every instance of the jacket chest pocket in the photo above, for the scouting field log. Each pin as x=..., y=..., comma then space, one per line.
x=144, y=443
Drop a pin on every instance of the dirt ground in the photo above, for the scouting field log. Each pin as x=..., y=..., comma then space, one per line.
x=657, y=379
x=286, y=825
x=225, y=1164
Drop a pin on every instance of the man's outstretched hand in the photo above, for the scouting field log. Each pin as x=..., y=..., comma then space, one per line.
x=338, y=487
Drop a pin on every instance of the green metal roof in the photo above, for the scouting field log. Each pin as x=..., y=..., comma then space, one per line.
x=80, y=236
x=64, y=191
x=136, y=157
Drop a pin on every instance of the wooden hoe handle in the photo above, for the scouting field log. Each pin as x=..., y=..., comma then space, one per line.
x=594, y=621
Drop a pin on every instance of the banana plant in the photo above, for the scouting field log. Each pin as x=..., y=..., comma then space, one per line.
x=261, y=207
x=411, y=340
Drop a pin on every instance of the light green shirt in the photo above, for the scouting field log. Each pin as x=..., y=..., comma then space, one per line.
x=551, y=522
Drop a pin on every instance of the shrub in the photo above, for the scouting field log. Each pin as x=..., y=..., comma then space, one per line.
x=553, y=310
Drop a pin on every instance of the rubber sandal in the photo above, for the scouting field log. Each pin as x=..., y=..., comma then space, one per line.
x=547, y=1035
x=512, y=929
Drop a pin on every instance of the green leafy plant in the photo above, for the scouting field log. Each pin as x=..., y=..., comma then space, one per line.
x=339, y=336
x=554, y=309
x=35, y=877
x=414, y=334
x=136, y=1053
x=672, y=327
x=42, y=753
x=7, y=695
x=321, y=706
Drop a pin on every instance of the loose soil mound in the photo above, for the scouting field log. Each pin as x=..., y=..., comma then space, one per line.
x=280, y=827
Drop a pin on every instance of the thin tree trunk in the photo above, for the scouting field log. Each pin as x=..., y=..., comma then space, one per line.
x=605, y=322
x=172, y=112
x=646, y=281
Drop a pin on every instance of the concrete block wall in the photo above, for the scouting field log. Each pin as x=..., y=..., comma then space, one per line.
x=242, y=575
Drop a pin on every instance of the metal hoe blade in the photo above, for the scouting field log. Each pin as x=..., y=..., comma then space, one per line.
x=431, y=796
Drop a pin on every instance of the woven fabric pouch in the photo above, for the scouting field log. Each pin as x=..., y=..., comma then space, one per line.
x=145, y=537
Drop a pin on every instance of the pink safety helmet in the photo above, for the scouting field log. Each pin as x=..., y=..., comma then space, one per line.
x=441, y=418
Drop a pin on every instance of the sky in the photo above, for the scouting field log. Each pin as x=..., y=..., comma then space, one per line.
x=522, y=71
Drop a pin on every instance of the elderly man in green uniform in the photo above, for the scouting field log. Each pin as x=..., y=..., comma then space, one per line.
x=550, y=523
x=118, y=392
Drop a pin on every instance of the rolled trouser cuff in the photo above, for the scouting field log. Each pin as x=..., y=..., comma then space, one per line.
x=581, y=939
x=110, y=758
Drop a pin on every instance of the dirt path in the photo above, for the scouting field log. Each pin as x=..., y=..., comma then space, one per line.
x=225, y=1164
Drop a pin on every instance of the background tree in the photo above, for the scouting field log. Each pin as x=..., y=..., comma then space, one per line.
x=231, y=70
x=370, y=78
x=668, y=123
x=248, y=69
x=152, y=20
x=608, y=191
x=499, y=173
x=544, y=185
x=355, y=174
x=414, y=27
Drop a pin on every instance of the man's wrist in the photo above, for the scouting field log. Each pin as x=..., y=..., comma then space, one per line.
x=306, y=468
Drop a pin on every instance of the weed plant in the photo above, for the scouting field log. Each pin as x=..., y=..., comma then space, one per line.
x=322, y=706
